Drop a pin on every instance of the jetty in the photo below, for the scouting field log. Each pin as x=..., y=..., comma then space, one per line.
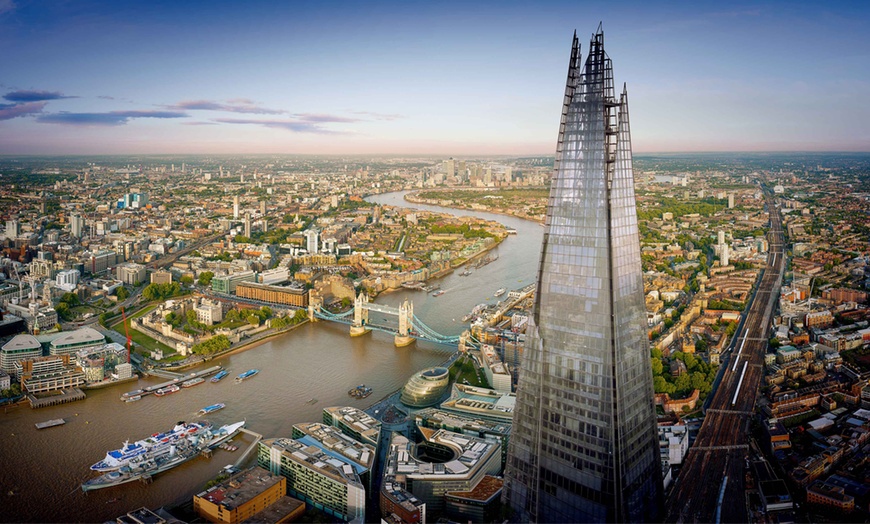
x=55, y=398
x=177, y=378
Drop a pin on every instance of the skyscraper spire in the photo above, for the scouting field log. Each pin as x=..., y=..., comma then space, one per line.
x=584, y=445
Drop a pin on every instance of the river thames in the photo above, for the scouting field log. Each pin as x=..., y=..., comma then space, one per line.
x=301, y=373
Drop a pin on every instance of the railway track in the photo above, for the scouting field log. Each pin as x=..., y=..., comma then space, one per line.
x=710, y=486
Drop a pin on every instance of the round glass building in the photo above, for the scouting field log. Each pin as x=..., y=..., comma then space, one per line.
x=426, y=387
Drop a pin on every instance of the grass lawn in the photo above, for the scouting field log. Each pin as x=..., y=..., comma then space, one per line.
x=463, y=369
x=141, y=339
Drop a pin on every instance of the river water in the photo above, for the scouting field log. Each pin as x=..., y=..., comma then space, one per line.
x=41, y=470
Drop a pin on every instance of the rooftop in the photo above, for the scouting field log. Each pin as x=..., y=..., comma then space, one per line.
x=83, y=335
x=342, y=470
x=484, y=491
x=335, y=443
x=241, y=488
x=21, y=342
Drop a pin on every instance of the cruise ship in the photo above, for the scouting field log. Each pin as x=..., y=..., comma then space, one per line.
x=121, y=457
x=153, y=462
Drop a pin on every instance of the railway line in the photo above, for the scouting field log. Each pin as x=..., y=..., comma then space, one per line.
x=710, y=486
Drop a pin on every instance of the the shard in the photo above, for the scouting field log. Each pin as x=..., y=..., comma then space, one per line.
x=584, y=446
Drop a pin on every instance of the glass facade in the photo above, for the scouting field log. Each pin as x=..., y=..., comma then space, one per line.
x=584, y=446
x=426, y=388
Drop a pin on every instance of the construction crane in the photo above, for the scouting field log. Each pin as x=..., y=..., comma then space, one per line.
x=127, y=332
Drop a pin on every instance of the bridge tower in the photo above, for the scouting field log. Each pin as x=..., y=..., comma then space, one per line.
x=406, y=325
x=360, y=316
x=314, y=304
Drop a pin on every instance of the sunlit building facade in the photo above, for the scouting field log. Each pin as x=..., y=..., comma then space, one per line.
x=584, y=446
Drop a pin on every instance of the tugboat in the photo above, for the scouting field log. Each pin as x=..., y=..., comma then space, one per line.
x=360, y=392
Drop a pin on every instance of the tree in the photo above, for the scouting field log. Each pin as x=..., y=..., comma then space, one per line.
x=662, y=386
x=205, y=278
x=187, y=280
x=701, y=345
x=122, y=293
x=253, y=319
x=70, y=298
x=63, y=311
x=657, y=366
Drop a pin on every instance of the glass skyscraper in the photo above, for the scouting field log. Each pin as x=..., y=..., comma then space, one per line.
x=584, y=446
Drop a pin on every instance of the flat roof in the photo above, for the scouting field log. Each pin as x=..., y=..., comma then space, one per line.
x=80, y=336
x=241, y=488
x=20, y=342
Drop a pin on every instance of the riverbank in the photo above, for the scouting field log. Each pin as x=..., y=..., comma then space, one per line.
x=412, y=197
x=109, y=383
x=249, y=344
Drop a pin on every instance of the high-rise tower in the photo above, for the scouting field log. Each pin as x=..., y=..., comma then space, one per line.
x=584, y=445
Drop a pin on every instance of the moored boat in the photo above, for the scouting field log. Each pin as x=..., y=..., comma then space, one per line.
x=121, y=457
x=500, y=292
x=361, y=391
x=192, y=382
x=247, y=374
x=220, y=376
x=134, y=398
x=153, y=462
x=167, y=390
x=211, y=409
x=438, y=293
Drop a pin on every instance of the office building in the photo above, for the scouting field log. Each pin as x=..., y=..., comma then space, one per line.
x=67, y=280
x=13, y=228
x=227, y=283
x=498, y=432
x=312, y=239
x=332, y=441
x=236, y=207
x=253, y=495
x=76, y=225
x=247, y=225
x=161, y=277
x=130, y=273
x=584, y=446
x=443, y=462
x=325, y=481
x=426, y=387
x=21, y=347
x=84, y=338
x=293, y=295
x=355, y=423
x=52, y=373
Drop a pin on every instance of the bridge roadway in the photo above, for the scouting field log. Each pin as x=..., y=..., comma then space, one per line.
x=720, y=448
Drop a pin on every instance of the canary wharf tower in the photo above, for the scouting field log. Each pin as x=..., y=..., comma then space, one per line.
x=584, y=445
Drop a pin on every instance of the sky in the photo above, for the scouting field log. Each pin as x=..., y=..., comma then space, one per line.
x=435, y=78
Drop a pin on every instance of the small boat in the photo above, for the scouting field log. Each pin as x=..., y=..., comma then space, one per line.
x=192, y=382
x=211, y=409
x=312, y=401
x=500, y=292
x=167, y=390
x=247, y=374
x=134, y=398
x=511, y=231
x=438, y=293
x=220, y=376
x=360, y=392
x=465, y=273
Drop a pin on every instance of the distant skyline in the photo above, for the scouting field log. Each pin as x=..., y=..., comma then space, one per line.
x=440, y=78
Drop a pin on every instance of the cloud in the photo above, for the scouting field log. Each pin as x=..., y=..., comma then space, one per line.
x=199, y=123
x=112, y=118
x=297, y=126
x=6, y=6
x=322, y=119
x=34, y=96
x=10, y=111
x=379, y=116
x=238, y=105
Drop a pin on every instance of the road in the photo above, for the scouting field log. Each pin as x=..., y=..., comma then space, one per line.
x=710, y=487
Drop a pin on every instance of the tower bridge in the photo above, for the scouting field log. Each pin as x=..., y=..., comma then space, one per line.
x=410, y=327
